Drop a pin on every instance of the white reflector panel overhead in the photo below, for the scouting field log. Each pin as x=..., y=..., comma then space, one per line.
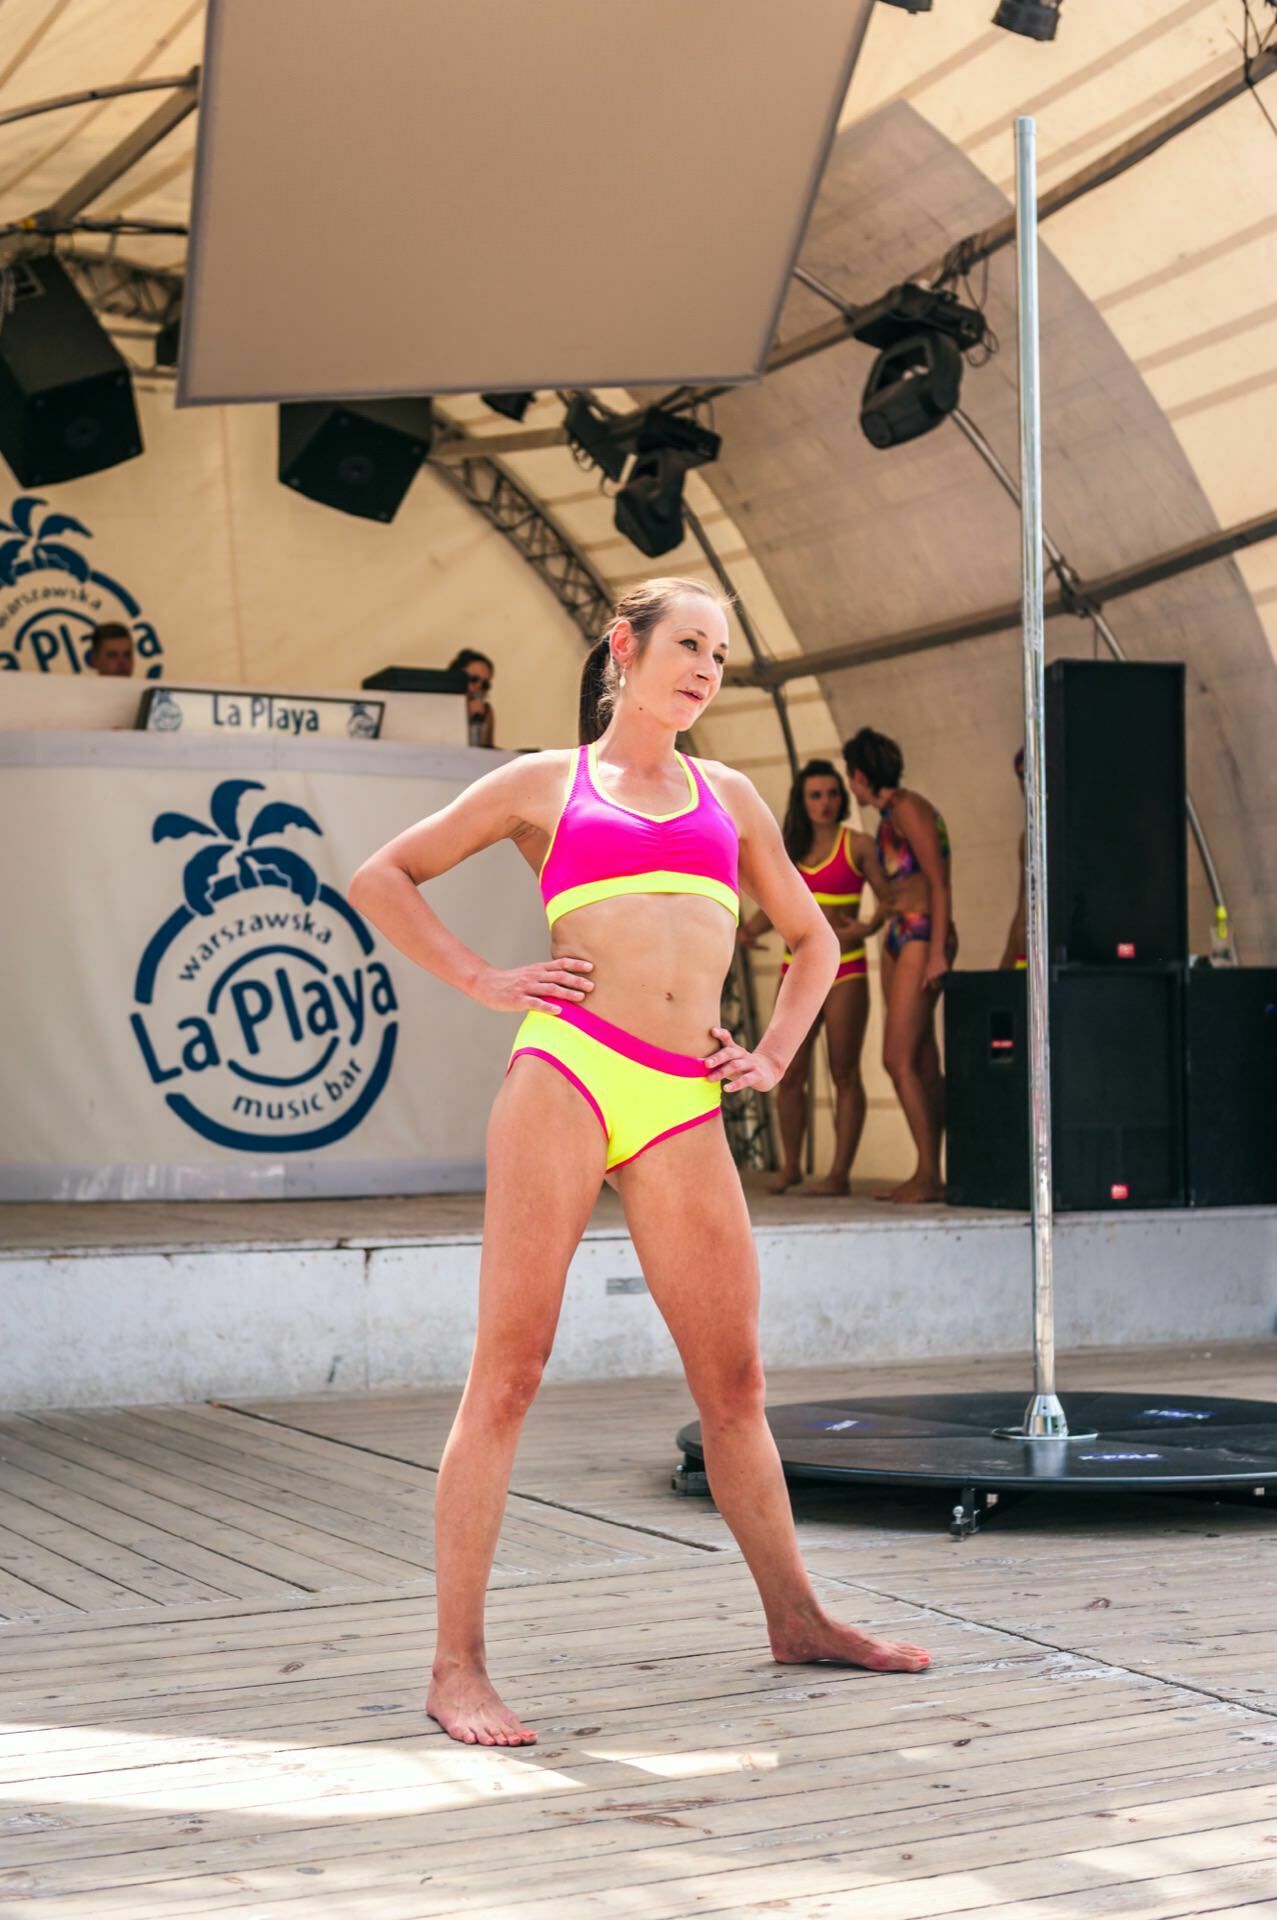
x=433, y=196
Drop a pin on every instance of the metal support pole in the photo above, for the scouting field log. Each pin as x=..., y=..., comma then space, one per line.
x=1044, y=1416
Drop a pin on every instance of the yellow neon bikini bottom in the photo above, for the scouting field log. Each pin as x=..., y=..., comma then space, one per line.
x=639, y=1093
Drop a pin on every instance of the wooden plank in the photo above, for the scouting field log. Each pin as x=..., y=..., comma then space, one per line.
x=636, y=1823
x=148, y=1527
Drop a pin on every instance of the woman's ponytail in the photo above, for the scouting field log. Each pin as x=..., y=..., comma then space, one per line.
x=595, y=690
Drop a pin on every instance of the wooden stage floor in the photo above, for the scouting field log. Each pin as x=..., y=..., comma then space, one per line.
x=218, y=1619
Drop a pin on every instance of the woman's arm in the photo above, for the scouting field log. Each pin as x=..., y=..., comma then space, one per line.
x=385, y=889
x=917, y=821
x=1016, y=932
x=865, y=855
x=770, y=877
x=750, y=931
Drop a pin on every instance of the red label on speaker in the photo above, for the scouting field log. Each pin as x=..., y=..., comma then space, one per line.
x=1126, y=949
x=1119, y=1191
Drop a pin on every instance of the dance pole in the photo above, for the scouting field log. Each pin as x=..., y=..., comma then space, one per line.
x=1044, y=1416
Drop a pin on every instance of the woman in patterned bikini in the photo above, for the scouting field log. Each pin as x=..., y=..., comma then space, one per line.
x=620, y=1063
x=920, y=945
x=834, y=861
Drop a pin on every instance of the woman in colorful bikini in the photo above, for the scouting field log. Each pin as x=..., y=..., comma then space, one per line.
x=834, y=861
x=918, y=950
x=620, y=1065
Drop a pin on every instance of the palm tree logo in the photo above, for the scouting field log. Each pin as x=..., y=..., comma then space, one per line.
x=254, y=865
x=35, y=550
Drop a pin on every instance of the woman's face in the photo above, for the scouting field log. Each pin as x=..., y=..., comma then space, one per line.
x=822, y=799
x=681, y=668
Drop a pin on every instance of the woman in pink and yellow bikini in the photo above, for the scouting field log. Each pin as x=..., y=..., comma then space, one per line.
x=620, y=1067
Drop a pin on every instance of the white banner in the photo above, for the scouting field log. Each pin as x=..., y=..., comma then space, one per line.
x=189, y=1006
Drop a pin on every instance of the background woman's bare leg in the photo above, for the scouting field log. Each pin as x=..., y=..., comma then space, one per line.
x=546, y=1154
x=687, y=1217
x=910, y=1012
x=791, y=1109
x=846, y=1017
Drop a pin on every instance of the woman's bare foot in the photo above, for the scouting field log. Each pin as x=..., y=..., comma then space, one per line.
x=831, y=1185
x=916, y=1192
x=824, y=1639
x=781, y=1182
x=468, y=1707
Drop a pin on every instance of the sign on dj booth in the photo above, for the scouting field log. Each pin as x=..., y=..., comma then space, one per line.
x=189, y=1005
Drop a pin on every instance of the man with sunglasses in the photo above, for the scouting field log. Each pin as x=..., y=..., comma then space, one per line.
x=479, y=672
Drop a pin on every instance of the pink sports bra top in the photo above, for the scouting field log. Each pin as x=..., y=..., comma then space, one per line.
x=838, y=881
x=600, y=849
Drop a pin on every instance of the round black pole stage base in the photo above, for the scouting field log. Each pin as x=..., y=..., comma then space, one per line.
x=1140, y=1442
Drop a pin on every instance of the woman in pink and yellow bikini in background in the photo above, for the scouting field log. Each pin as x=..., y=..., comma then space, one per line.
x=620, y=1064
x=835, y=862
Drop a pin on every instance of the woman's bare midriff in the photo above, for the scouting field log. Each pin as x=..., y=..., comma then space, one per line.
x=660, y=960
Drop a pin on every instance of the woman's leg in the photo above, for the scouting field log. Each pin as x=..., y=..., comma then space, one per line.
x=846, y=1017
x=791, y=1106
x=687, y=1217
x=910, y=1012
x=546, y=1154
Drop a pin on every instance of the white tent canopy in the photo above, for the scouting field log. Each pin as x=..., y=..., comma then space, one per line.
x=1160, y=414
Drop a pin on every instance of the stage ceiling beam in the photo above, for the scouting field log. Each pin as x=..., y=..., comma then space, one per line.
x=1079, y=600
x=38, y=230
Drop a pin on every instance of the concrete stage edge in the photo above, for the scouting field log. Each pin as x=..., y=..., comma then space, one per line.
x=104, y=1303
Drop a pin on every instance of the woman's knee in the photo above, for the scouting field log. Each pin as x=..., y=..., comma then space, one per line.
x=846, y=1079
x=730, y=1392
x=897, y=1061
x=502, y=1388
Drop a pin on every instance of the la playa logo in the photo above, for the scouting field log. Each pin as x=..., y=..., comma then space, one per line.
x=51, y=597
x=260, y=1007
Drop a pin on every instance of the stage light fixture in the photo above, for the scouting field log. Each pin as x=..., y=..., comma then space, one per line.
x=921, y=334
x=1032, y=19
x=66, y=399
x=649, y=507
x=910, y=389
x=511, y=406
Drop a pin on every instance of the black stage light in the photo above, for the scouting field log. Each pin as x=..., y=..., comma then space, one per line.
x=921, y=334
x=66, y=399
x=649, y=507
x=359, y=456
x=512, y=406
x=1034, y=19
x=910, y=389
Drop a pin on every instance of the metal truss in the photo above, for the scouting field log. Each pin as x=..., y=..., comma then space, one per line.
x=495, y=493
x=121, y=289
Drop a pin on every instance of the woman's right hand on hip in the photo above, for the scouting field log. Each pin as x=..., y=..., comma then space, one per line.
x=545, y=985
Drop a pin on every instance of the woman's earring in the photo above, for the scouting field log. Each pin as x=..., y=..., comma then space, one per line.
x=622, y=680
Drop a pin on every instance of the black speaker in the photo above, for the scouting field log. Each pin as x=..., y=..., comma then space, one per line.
x=1230, y=1026
x=1117, y=1097
x=1117, y=848
x=66, y=399
x=359, y=456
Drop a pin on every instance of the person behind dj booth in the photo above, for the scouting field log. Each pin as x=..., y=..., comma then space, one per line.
x=480, y=673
